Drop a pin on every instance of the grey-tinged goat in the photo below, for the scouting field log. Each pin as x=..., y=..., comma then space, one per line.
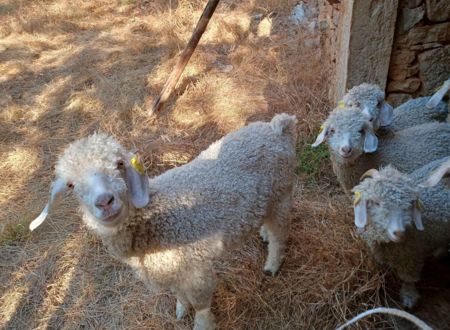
x=386, y=204
x=354, y=147
x=172, y=227
x=370, y=99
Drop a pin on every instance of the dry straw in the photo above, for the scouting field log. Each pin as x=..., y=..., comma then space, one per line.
x=69, y=68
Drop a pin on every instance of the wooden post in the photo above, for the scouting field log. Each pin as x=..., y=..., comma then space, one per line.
x=185, y=56
x=365, y=38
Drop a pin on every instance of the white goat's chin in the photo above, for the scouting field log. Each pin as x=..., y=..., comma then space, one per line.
x=114, y=218
x=348, y=160
x=346, y=156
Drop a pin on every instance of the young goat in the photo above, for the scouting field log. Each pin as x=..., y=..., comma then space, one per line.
x=171, y=228
x=370, y=99
x=386, y=204
x=355, y=148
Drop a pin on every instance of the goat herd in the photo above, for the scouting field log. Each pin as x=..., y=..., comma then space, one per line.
x=172, y=227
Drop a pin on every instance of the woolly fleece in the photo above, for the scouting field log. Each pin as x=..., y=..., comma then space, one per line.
x=407, y=149
x=197, y=212
x=395, y=190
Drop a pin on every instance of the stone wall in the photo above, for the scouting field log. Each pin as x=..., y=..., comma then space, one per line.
x=420, y=60
x=328, y=20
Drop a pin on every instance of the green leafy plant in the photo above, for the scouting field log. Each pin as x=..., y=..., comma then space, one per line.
x=13, y=233
x=311, y=160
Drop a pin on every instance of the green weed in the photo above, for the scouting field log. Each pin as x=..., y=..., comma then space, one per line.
x=311, y=160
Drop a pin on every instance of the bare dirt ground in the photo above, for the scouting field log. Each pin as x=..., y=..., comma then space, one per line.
x=70, y=68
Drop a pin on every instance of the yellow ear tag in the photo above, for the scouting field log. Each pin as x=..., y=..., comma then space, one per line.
x=419, y=205
x=137, y=165
x=357, y=198
x=341, y=104
x=321, y=129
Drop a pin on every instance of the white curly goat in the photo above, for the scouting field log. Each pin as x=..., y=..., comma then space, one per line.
x=171, y=228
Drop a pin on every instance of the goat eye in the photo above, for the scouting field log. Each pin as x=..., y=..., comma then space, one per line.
x=69, y=185
x=120, y=164
x=331, y=130
x=361, y=131
x=371, y=119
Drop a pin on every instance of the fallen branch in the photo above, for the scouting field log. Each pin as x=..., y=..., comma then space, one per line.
x=185, y=56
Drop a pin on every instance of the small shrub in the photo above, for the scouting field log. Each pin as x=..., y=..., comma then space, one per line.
x=12, y=233
x=311, y=160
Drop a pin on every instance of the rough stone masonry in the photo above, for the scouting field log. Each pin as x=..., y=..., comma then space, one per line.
x=403, y=45
x=420, y=60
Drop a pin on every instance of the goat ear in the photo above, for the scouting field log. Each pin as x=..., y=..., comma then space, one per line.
x=386, y=114
x=58, y=189
x=437, y=97
x=137, y=182
x=370, y=141
x=360, y=209
x=321, y=137
x=437, y=176
x=417, y=216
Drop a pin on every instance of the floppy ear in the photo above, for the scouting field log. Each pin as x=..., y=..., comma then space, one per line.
x=437, y=97
x=370, y=141
x=437, y=175
x=417, y=216
x=360, y=209
x=386, y=114
x=58, y=189
x=321, y=137
x=137, y=182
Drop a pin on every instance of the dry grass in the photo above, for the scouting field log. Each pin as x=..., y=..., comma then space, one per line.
x=69, y=68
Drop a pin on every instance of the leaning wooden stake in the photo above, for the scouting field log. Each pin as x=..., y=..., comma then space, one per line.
x=185, y=56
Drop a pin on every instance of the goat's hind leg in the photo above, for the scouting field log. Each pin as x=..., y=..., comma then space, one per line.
x=277, y=226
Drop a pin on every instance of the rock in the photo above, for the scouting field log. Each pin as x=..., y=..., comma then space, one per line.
x=401, y=72
x=438, y=10
x=396, y=99
x=312, y=27
x=402, y=56
x=302, y=13
x=397, y=73
x=430, y=33
x=434, y=68
x=401, y=39
x=409, y=85
x=410, y=17
x=411, y=3
x=298, y=15
x=412, y=70
x=431, y=45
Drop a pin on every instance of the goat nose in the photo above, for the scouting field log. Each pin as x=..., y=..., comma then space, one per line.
x=104, y=201
x=346, y=149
